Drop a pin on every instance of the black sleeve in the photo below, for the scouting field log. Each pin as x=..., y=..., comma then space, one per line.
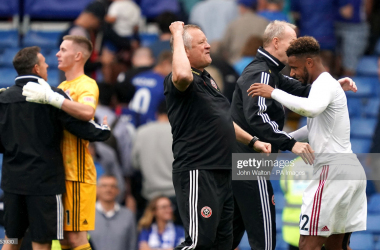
x=1, y=147
x=256, y=116
x=86, y=130
x=293, y=86
x=170, y=88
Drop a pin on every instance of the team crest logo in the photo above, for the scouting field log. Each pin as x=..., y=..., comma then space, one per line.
x=214, y=84
x=274, y=203
x=206, y=212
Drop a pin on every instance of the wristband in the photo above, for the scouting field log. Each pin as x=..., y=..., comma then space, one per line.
x=56, y=100
x=252, y=142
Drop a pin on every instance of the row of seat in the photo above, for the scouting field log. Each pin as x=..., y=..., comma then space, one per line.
x=49, y=39
x=8, y=75
x=52, y=9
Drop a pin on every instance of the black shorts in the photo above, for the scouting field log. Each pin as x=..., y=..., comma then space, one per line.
x=205, y=203
x=43, y=215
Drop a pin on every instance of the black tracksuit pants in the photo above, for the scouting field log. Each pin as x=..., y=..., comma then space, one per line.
x=206, y=205
x=255, y=213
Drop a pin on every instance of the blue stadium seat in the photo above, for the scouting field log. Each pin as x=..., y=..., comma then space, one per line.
x=8, y=38
x=278, y=222
x=44, y=39
x=361, y=146
x=280, y=243
x=147, y=39
x=367, y=66
x=373, y=223
x=9, y=8
x=53, y=77
x=367, y=87
x=54, y=9
x=6, y=59
x=52, y=60
x=361, y=241
x=280, y=201
x=7, y=77
x=276, y=186
x=377, y=245
x=354, y=107
x=244, y=243
x=363, y=127
x=374, y=204
x=371, y=107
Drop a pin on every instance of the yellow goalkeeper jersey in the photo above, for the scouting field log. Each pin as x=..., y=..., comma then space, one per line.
x=77, y=159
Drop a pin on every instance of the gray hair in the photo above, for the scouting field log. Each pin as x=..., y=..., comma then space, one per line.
x=275, y=29
x=187, y=38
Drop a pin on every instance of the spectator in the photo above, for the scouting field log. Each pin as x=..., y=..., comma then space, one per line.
x=273, y=11
x=115, y=225
x=164, y=20
x=241, y=29
x=155, y=159
x=317, y=19
x=157, y=230
x=142, y=60
x=248, y=53
x=88, y=24
x=123, y=16
x=150, y=89
x=214, y=22
x=352, y=34
x=373, y=12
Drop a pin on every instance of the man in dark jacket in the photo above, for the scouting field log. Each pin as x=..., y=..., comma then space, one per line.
x=33, y=174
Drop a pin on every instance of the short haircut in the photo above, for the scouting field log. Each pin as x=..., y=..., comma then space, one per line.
x=186, y=36
x=304, y=46
x=275, y=29
x=83, y=42
x=165, y=55
x=25, y=60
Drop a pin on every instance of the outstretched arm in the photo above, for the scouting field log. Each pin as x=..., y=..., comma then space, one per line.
x=320, y=96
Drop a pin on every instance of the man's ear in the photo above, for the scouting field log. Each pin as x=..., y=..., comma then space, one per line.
x=309, y=62
x=275, y=42
x=36, y=69
x=78, y=56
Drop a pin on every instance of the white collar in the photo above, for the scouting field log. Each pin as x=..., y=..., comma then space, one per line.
x=110, y=213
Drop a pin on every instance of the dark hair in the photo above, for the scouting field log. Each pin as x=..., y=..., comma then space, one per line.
x=165, y=55
x=161, y=109
x=304, y=46
x=124, y=92
x=25, y=59
x=164, y=20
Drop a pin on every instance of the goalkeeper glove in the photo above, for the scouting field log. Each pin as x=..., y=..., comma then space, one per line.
x=42, y=93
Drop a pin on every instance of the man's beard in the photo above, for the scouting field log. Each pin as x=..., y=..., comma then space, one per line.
x=305, y=77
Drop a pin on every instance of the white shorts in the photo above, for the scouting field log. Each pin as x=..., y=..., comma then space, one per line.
x=335, y=201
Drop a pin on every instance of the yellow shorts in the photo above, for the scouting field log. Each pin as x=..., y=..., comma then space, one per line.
x=79, y=204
